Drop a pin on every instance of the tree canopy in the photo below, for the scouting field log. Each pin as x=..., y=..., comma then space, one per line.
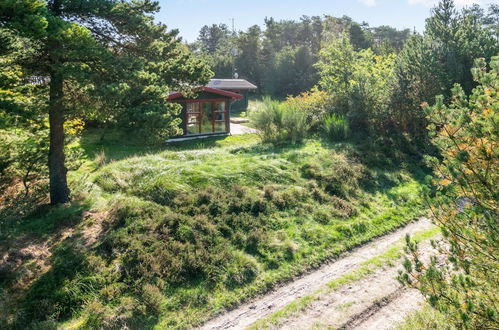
x=115, y=50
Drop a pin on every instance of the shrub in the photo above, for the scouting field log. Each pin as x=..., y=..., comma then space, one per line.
x=338, y=176
x=294, y=123
x=280, y=122
x=336, y=127
x=23, y=155
x=316, y=104
x=268, y=119
x=153, y=298
x=243, y=269
x=359, y=82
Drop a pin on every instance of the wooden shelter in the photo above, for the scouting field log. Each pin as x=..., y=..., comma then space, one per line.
x=208, y=113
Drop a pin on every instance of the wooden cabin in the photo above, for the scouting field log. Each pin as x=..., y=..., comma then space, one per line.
x=208, y=113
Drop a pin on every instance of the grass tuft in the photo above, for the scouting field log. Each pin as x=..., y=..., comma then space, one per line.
x=188, y=230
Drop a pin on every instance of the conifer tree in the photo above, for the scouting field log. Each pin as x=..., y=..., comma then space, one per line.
x=112, y=44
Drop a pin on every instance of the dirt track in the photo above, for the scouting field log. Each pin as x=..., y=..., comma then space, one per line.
x=331, y=312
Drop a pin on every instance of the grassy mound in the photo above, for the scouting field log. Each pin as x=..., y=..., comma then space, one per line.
x=176, y=236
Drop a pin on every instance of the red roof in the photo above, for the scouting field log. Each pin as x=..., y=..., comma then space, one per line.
x=232, y=95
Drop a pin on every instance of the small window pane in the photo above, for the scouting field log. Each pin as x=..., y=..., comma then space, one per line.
x=219, y=115
x=206, y=118
x=219, y=106
x=192, y=119
x=192, y=107
x=220, y=127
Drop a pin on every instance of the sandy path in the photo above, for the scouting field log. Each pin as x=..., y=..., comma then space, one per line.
x=395, y=311
x=375, y=302
x=273, y=301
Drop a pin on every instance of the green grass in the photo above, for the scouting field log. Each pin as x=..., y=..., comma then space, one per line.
x=188, y=230
x=427, y=318
x=387, y=258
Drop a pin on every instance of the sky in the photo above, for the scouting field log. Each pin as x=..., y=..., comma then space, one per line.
x=188, y=16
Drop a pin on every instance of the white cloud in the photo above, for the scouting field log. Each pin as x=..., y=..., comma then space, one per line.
x=369, y=3
x=432, y=3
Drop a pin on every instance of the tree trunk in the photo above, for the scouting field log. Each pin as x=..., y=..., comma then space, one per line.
x=59, y=191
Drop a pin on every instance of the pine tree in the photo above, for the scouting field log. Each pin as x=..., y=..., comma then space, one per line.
x=88, y=41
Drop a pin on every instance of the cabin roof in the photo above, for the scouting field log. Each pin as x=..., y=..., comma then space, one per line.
x=228, y=94
x=236, y=84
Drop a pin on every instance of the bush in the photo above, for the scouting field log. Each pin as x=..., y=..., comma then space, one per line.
x=336, y=127
x=294, y=123
x=280, y=122
x=338, y=176
x=359, y=83
x=316, y=105
x=23, y=156
x=242, y=270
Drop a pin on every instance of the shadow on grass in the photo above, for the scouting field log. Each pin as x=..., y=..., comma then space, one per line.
x=61, y=293
x=43, y=221
x=47, y=275
x=382, y=160
x=27, y=245
x=118, y=146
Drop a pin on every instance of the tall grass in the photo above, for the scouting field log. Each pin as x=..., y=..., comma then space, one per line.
x=336, y=127
x=280, y=122
x=187, y=233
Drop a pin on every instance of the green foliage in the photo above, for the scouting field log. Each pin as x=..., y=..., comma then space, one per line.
x=23, y=155
x=465, y=205
x=181, y=233
x=290, y=72
x=359, y=84
x=280, y=122
x=427, y=318
x=249, y=47
x=336, y=127
x=280, y=58
x=21, y=103
x=111, y=52
x=316, y=105
x=215, y=45
x=429, y=65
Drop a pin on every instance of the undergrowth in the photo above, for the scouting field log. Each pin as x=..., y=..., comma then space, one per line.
x=189, y=232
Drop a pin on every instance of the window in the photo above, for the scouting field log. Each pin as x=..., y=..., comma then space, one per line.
x=193, y=107
x=220, y=126
x=219, y=106
x=206, y=117
x=220, y=117
x=193, y=118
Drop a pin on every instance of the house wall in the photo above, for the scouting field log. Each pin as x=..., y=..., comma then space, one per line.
x=242, y=104
x=204, y=96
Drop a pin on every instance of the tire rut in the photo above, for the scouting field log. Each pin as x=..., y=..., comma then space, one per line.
x=262, y=306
